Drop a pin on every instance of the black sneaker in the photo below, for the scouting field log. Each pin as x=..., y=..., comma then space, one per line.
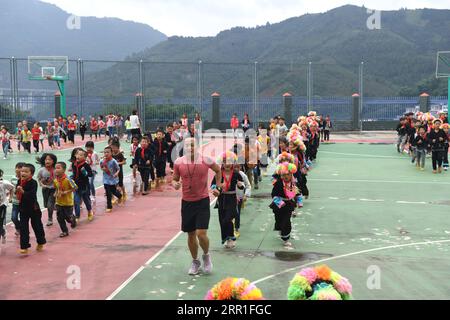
x=63, y=234
x=73, y=222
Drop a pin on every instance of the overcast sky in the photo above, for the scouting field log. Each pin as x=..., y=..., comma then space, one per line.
x=209, y=17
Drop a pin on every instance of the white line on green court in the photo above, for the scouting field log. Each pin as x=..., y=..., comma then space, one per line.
x=380, y=181
x=362, y=155
x=156, y=255
x=348, y=255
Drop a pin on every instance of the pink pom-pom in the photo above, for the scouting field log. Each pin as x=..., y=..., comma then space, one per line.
x=310, y=274
x=344, y=286
x=209, y=296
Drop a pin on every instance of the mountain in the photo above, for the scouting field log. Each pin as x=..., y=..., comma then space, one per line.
x=399, y=57
x=32, y=27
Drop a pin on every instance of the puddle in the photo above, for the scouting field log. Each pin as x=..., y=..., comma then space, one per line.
x=294, y=255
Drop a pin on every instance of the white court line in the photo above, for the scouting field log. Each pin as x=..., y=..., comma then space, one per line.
x=380, y=181
x=411, y=202
x=135, y=274
x=363, y=155
x=348, y=255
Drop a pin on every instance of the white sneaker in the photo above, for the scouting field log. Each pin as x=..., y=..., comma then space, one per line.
x=287, y=244
x=207, y=264
x=195, y=267
x=230, y=244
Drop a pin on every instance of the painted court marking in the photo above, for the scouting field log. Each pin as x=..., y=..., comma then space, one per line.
x=380, y=181
x=153, y=258
x=349, y=255
x=362, y=155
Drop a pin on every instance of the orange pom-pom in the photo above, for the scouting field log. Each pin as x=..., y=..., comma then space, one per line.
x=323, y=272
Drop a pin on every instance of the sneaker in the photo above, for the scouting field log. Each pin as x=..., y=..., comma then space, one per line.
x=23, y=251
x=73, y=222
x=445, y=169
x=40, y=247
x=108, y=210
x=207, y=264
x=63, y=234
x=230, y=244
x=49, y=223
x=195, y=268
x=4, y=158
x=287, y=244
x=434, y=171
x=422, y=169
x=90, y=216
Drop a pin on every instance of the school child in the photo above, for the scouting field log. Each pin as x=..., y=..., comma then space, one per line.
x=250, y=164
x=160, y=151
x=93, y=160
x=445, y=128
x=143, y=162
x=328, y=125
x=71, y=130
x=171, y=140
x=421, y=144
x=111, y=171
x=264, y=150
x=26, y=139
x=5, y=137
x=45, y=177
x=6, y=189
x=101, y=126
x=298, y=149
x=246, y=123
x=284, y=145
x=15, y=202
x=110, y=124
x=234, y=123
x=18, y=134
x=284, y=200
x=94, y=128
x=58, y=132
x=311, y=152
x=242, y=196
x=83, y=128
x=281, y=127
x=49, y=130
x=128, y=129
x=65, y=188
x=36, y=133
x=437, y=139
x=133, y=147
x=81, y=172
x=26, y=192
x=401, y=134
x=121, y=160
x=226, y=197
x=184, y=121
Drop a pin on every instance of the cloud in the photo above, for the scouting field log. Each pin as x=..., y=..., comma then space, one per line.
x=208, y=17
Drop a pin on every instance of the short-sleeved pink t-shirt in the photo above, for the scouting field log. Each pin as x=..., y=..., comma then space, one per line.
x=194, y=177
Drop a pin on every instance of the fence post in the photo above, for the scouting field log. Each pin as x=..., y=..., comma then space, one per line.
x=200, y=87
x=255, y=95
x=424, y=102
x=57, y=104
x=356, y=111
x=287, y=104
x=309, y=84
x=141, y=111
x=215, y=121
x=80, y=85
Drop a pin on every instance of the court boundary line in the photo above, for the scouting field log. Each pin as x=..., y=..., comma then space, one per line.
x=378, y=181
x=348, y=255
x=362, y=155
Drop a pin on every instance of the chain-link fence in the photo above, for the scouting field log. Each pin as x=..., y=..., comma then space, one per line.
x=163, y=91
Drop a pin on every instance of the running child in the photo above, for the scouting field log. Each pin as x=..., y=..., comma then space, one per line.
x=445, y=128
x=111, y=171
x=227, y=200
x=94, y=128
x=46, y=177
x=143, y=162
x=71, y=130
x=421, y=145
x=6, y=189
x=5, y=137
x=284, y=200
x=93, y=160
x=121, y=160
x=29, y=210
x=65, y=188
x=26, y=139
x=437, y=139
x=82, y=171
x=160, y=151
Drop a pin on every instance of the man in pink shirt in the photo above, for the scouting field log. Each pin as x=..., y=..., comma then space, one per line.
x=193, y=169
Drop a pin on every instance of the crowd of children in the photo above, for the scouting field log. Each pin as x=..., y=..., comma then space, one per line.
x=65, y=188
x=422, y=134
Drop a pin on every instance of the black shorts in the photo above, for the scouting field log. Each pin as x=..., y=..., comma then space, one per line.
x=195, y=215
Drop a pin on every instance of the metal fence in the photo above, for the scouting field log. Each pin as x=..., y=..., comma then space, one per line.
x=169, y=89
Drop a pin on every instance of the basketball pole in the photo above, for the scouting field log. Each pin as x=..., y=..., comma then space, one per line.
x=61, y=87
